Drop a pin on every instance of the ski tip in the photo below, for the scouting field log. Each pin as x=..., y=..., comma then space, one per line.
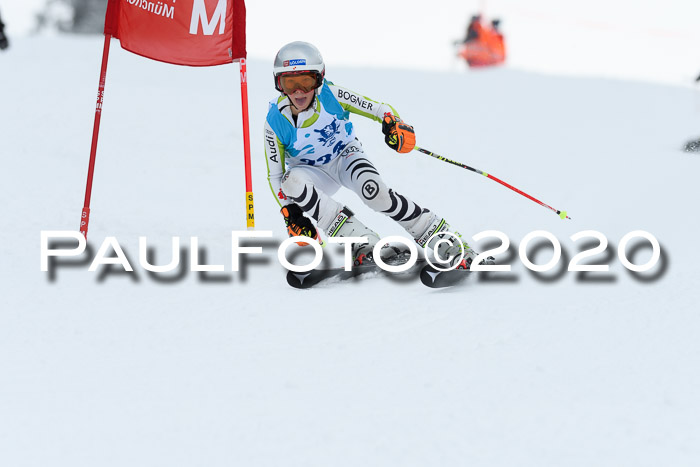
x=437, y=279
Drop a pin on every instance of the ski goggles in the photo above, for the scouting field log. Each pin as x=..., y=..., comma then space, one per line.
x=304, y=81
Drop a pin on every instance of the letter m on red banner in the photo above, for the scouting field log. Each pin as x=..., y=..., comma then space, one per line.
x=181, y=32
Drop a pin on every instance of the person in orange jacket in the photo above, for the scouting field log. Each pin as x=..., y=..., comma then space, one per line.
x=483, y=45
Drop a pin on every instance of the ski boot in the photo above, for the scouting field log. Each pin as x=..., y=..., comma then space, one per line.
x=451, y=250
x=346, y=224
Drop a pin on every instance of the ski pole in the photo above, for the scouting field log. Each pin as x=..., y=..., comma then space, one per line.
x=562, y=214
x=85, y=215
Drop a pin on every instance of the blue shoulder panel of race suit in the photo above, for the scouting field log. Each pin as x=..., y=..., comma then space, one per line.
x=284, y=129
x=331, y=104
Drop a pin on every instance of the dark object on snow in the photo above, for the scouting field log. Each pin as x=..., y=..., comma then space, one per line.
x=4, y=43
x=693, y=146
x=89, y=16
x=698, y=78
x=473, y=29
x=75, y=16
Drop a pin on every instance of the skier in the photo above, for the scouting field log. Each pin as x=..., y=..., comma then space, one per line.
x=483, y=44
x=4, y=43
x=311, y=151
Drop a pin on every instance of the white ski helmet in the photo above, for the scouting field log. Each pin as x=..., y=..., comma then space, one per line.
x=298, y=57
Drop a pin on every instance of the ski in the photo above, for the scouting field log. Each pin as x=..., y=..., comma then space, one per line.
x=306, y=280
x=437, y=279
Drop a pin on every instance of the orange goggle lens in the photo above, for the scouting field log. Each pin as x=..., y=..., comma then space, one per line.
x=306, y=82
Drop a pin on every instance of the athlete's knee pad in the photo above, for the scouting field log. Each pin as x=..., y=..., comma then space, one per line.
x=293, y=183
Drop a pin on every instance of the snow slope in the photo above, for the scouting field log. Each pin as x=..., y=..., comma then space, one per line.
x=653, y=40
x=115, y=369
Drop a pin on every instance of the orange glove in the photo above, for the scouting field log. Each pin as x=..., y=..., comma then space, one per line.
x=399, y=135
x=298, y=224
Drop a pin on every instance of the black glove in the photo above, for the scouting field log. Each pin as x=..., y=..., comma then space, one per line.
x=399, y=135
x=297, y=223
